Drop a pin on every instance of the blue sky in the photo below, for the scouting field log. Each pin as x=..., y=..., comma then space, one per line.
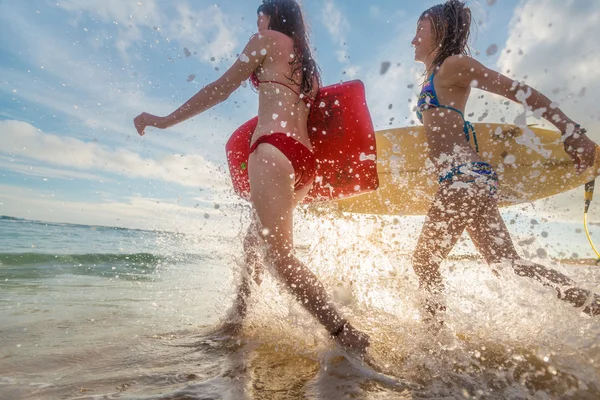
x=74, y=73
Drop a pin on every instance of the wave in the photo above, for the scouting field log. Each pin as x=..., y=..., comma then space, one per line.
x=71, y=225
x=106, y=228
x=134, y=266
x=7, y=218
x=24, y=259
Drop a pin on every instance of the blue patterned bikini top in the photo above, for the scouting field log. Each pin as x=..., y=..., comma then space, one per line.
x=428, y=99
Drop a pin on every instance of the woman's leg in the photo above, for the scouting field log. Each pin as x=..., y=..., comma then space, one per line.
x=253, y=270
x=491, y=237
x=272, y=194
x=253, y=258
x=446, y=220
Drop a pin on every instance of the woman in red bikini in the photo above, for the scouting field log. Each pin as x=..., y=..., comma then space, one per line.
x=466, y=198
x=281, y=166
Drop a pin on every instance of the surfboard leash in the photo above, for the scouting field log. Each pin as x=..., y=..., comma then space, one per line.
x=588, y=196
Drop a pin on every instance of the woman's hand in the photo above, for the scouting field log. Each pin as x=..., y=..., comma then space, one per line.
x=581, y=149
x=144, y=120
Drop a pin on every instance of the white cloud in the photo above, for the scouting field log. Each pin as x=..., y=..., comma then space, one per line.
x=134, y=212
x=104, y=95
x=335, y=22
x=353, y=71
x=134, y=13
x=210, y=31
x=100, y=106
x=391, y=88
x=22, y=167
x=24, y=140
x=338, y=26
x=398, y=84
x=97, y=95
x=129, y=18
x=342, y=55
x=552, y=46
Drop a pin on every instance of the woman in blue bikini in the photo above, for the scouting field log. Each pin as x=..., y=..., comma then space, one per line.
x=466, y=198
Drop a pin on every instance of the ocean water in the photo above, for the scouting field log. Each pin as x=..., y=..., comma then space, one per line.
x=90, y=312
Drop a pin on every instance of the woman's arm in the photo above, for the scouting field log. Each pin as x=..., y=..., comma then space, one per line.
x=465, y=71
x=216, y=92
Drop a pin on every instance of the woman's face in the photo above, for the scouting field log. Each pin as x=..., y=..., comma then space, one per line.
x=423, y=40
x=263, y=22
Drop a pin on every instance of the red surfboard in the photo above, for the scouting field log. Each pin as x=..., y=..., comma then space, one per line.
x=341, y=132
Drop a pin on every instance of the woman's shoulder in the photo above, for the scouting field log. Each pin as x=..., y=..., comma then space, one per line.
x=261, y=43
x=455, y=63
x=456, y=68
x=269, y=42
x=272, y=37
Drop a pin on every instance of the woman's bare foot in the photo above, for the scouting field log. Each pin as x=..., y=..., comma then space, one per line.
x=352, y=339
x=231, y=328
x=580, y=297
x=433, y=311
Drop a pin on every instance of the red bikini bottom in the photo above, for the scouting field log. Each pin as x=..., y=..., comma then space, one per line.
x=302, y=159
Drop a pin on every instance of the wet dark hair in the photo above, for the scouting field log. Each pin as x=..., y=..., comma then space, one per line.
x=286, y=17
x=451, y=25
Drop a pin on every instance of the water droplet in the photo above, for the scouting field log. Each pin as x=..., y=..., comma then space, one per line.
x=541, y=253
x=491, y=50
x=385, y=66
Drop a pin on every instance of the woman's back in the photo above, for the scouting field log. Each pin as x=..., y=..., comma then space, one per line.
x=281, y=107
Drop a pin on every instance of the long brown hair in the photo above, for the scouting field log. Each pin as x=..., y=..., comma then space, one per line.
x=451, y=25
x=286, y=17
